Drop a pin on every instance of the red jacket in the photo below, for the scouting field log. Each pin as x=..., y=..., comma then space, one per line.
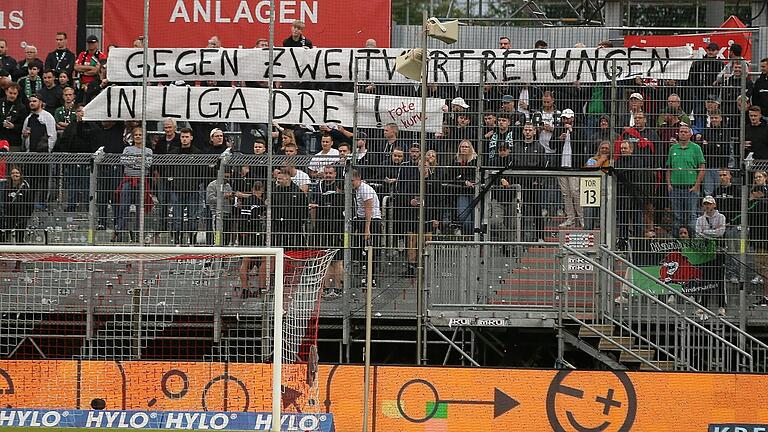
x=5, y=147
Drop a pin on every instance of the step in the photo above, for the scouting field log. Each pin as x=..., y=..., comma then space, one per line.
x=550, y=283
x=541, y=292
x=625, y=341
x=552, y=262
x=645, y=354
x=599, y=329
x=665, y=365
x=539, y=302
x=547, y=271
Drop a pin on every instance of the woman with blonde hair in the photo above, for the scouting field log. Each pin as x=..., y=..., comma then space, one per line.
x=463, y=174
x=286, y=137
x=602, y=158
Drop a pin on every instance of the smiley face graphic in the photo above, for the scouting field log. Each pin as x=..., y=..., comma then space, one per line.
x=579, y=402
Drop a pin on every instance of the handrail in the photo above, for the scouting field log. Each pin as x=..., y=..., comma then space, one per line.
x=618, y=345
x=655, y=300
x=643, y=339
x=685, y=297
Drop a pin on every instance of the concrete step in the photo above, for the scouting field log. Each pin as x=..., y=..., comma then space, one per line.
x=625, y=341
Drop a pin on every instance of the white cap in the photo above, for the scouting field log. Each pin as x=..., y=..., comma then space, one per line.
x=460, y=102
x=567, y=113
x=636, y=96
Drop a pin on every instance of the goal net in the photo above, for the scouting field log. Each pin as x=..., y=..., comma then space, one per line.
x=168, y=304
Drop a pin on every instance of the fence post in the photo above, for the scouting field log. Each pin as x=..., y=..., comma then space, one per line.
x=96, y=159
x=744, y=243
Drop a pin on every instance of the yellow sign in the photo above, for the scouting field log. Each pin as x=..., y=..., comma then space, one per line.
x=589, y=191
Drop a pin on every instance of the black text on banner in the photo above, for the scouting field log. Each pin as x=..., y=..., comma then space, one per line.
x=249, y=105
x=378, y=65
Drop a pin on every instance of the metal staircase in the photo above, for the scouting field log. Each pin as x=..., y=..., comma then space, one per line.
x=628, y=328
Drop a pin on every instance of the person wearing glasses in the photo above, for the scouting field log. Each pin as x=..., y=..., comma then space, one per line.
x=30, y=57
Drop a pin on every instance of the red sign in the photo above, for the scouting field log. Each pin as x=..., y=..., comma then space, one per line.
x=699, y=41
x=191, y=23
x=35, y=22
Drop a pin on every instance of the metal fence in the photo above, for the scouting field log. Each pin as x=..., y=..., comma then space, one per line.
x=483, y=181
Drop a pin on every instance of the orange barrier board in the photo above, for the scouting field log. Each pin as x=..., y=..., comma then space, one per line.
x=408, y=398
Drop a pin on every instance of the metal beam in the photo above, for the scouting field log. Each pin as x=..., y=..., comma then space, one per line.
x=453, y=345
x=592, y=351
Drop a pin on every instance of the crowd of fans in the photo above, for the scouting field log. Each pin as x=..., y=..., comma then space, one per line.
x=671, y=143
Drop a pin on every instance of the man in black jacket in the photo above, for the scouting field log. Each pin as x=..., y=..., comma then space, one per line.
x=61, y=59
x=529, y=154
x=12, y=115
x=297, y=38
x=704, y=73
x=7, y=62
x=716, y=145
x=109, y=137
x=289, y=212
x=76, y=138
x=760, y=88
x=756, y=134
x=185, y=183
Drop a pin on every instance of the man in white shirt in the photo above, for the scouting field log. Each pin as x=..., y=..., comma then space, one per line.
x=367, y=217
x=323, y=157
x=299, y=178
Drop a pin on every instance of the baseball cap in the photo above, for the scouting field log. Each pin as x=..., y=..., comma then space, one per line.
x=507, y=98
x=460, y=102
x=567, y=113
x=709, y=199
x=636, y=96
x=714, y=98
x=214, y=130
x=4, y=73
x=712, y=46
x=362, y=135
x=92, y=39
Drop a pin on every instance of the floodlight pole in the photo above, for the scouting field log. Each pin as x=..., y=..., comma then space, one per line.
x=277, y=326
x=422, y=193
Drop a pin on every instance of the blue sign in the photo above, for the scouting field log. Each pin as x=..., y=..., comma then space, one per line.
x=169, y=420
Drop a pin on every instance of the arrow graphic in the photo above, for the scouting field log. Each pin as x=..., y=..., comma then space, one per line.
x=501, y=402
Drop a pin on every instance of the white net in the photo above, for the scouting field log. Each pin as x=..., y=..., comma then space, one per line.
x=185, y=306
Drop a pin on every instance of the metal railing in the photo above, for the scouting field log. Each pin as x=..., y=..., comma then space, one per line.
x=661, y=332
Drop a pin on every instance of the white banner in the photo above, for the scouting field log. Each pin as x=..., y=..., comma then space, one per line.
x=249, y=105
x=378, y=65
